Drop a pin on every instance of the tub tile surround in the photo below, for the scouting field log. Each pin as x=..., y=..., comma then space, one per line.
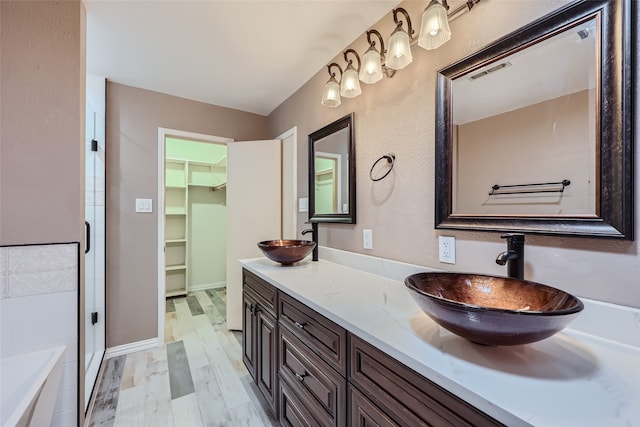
x=586, y=375
x=39, y=310
x=38, y=269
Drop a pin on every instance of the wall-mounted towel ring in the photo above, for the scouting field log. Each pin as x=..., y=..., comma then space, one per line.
x=390, y=158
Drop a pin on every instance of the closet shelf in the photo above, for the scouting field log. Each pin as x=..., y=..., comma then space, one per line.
x=182, y=176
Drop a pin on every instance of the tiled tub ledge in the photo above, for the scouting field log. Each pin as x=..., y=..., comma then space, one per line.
x=586, y=375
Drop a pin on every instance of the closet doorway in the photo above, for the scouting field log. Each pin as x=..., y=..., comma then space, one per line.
x=195, y=215
x=253, y=212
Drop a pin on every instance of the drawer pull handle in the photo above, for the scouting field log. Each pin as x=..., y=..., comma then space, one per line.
x=300, y=325
x=254, y=309
x=301, y=377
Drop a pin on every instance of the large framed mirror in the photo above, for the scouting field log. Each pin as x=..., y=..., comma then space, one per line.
x=533, y=133
x=332, y=173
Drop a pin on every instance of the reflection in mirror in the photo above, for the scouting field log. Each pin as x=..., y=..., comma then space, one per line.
x=331, y=177
x=515, y=115
x=534, y=130
x=329, y=184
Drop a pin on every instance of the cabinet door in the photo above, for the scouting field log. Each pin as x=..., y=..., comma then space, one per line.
x=249, y=335
x=267, y=360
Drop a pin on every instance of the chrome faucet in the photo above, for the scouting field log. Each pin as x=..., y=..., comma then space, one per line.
x=513, y=256
x=314, y=231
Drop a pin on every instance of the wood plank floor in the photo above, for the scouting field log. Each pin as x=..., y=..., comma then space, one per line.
x=196, y=379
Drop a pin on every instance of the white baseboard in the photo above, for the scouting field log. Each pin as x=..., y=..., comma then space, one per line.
x=131, y=348
x=205, y=286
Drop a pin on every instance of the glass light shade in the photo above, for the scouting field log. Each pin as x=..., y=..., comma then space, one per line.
x=399, y=53
x=350, y=87
x=434, y=31
x=371, y=68
x=331, y=95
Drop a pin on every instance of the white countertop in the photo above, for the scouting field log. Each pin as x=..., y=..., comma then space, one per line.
x=570, y=379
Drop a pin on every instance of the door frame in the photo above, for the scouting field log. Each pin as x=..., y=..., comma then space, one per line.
x=163, y=133
x=290, y=173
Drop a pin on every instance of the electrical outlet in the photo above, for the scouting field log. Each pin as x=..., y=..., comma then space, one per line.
x=447, y=249
x=367, y=239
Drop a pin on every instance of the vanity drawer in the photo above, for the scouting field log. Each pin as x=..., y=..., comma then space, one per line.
x=265, y=292
x=325, y=338
x=405, y=396
x=363, y=413
x=309, y=376
x=294, y=412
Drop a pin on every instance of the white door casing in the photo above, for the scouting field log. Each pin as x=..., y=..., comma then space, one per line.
x=289, y=183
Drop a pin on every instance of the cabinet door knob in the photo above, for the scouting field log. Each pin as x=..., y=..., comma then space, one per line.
x=301, y=377
x=300, y=325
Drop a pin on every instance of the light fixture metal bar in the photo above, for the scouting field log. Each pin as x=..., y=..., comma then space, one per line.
x=462, y=9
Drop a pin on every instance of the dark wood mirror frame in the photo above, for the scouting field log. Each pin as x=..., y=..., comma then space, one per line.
x=615, y=219
x=350, y=217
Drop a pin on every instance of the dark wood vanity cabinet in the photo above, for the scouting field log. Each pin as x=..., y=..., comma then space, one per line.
x=313, y=373
x=321, y=335
x=363, y=413
x=404, y=396
x=319, y=387
x=249, y=338
x=260, y=335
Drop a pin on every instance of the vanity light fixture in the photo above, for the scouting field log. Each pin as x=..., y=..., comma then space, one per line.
x=331, y=95
x=399, y=55
x=434, y=31
x=350, y=86
x=373, y=67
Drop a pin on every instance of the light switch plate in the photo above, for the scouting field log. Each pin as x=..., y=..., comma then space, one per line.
x=447, y=249
x=367, y=239
x=303, y=204
x=144, y=206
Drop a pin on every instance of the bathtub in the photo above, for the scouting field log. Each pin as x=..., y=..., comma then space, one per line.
x=29, y=387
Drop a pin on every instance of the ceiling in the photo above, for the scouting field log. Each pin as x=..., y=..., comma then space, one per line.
x=563, y=64
x=246, y=55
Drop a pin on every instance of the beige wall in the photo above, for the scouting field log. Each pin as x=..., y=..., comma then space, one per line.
x=42, y=120
x=133, y=118
x=398, y=115
x=557, y=139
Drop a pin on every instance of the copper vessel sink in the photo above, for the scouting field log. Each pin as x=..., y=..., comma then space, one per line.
x=493, y=310
x=286, y=252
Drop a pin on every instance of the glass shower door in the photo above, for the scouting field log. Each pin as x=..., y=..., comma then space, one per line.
x=94, y=319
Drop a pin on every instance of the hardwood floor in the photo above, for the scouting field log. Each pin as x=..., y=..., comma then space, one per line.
x=196, y=379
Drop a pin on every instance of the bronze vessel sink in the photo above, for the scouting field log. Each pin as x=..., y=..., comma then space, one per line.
x=286, y=252
x=493, y=310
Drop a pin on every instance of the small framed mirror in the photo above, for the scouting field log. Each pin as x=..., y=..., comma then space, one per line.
x=533, y=132
x=332, y=175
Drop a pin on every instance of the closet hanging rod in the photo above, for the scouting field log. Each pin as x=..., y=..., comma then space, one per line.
x=552, y=187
